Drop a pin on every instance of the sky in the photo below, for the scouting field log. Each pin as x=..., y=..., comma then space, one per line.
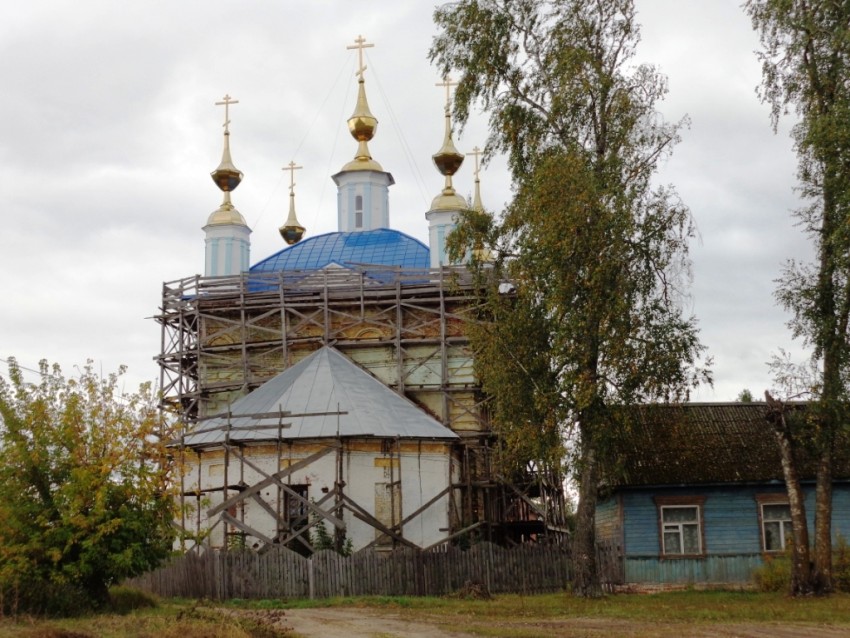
x=110, y=131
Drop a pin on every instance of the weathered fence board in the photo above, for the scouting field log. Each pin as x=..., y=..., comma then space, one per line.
x=281, y=573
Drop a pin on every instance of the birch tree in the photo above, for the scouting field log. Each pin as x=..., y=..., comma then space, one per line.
x=597, y=252
x=806, y=67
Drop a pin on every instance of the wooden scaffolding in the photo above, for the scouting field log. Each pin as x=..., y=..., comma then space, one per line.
x=225, y=336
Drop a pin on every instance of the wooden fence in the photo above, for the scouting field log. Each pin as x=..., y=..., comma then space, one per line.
x=281, y=573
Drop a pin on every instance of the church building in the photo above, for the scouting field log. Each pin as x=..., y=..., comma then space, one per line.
x=327, y=393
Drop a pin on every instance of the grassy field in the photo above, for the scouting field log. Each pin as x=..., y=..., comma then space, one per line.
x=674, y=613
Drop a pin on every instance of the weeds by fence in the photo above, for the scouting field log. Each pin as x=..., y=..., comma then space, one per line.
x=281, y=573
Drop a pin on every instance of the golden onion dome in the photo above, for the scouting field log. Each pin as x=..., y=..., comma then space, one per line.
x=362, y=124
x=226, y=214
x=448, y=159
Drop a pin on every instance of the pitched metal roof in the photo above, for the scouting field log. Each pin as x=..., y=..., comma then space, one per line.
x=319, y=386
x=707, y=443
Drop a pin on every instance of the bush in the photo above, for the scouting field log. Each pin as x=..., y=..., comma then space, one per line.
x=841, y=565
x=123, y=600
x=774, y=574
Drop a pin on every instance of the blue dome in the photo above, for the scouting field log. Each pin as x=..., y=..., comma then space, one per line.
x=381, y=247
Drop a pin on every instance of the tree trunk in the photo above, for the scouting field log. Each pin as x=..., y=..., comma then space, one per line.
x=823, y=523
x=585, y=572
x=801, y=571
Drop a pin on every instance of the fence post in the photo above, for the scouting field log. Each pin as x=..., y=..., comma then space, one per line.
x=310, y=583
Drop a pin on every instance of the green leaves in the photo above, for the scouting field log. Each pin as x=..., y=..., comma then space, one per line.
x=83, y=481
x=596, y=253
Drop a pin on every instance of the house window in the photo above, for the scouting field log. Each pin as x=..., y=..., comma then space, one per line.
x=681, y=529
x=776, y=526
x=358, y=211
x=680, y=523
x=774, y=521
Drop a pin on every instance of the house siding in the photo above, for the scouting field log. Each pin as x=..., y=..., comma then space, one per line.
x=608, y=528
x=731, y=532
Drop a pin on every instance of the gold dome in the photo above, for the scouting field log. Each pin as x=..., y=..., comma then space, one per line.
x=226, y=214
x=292, y=231
x=362, y=124
x=448, y=159
x=227, y=177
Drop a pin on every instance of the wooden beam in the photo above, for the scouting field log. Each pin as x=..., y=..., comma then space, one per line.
x=309, y=504
x=367, y=518
x=245, y=528
x=268, y=508
x=339, y=524
x=531, y=503
x=451, y=536
x=256, y=487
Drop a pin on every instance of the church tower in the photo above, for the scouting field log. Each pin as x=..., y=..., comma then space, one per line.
x=445, y=208
x=227, y=236
x=362, y=184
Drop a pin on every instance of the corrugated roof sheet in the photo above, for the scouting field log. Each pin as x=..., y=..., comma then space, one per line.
x=707, y=443
x=380, y=247
x=320, y=385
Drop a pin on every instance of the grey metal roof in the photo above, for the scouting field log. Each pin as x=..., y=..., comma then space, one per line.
x=318, y=387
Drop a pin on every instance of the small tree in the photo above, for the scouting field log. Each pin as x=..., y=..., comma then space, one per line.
x=83, y=497
x=744, y=396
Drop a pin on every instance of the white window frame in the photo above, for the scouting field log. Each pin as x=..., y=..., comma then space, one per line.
x=784, y=538
x=678, y=502
x=678, y=527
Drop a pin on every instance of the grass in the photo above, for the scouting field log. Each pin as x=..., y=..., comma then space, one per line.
x=508, y=616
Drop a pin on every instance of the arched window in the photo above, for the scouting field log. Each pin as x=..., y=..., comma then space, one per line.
x=358, y=211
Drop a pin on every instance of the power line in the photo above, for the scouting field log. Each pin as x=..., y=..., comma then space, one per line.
x=6, y=361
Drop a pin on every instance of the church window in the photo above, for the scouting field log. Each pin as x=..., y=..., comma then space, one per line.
x=358, y=211
x=296, y=507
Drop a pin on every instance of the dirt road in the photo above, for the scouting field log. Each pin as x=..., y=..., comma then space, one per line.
x=366, y=623
x=357, y=623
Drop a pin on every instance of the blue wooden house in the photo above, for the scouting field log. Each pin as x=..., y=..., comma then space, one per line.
x=699, y=495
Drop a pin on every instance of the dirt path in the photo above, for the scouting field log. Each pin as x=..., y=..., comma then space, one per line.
x=360, y=623
x=368, y=623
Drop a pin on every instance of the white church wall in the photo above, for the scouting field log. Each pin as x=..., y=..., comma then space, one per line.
x=424, y=470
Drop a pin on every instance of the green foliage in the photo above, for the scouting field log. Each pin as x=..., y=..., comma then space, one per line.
x=841, y=565
x=744, y=396
x=805, y=66
x=774, y=574
x=123, y=600
x=597, y=253
x=83, y=495
x=321, y=539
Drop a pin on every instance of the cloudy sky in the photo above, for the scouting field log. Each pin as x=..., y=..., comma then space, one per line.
x=110, y=132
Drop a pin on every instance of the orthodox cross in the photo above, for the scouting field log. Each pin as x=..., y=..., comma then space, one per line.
x=477, y=152
x=447, y=82
x=226, y=102
x=291, y=168
x=360, y=44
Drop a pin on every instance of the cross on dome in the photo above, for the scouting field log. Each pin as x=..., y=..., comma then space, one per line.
x=360, y=44
x=291, y=167
x=448, y=83
x=477, y=153
x=226, y=102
